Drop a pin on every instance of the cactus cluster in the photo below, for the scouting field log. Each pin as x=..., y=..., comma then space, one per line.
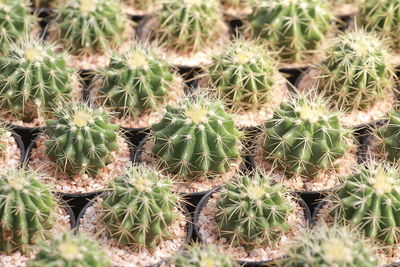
x=27, y=210
x=295, y=28
x=140, y=208
x=388, y=137
x=202, y=255
x=197, y=138
x=81, y=139
x=251, y=212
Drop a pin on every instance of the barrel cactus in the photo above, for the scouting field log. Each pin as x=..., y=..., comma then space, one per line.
x=81, y=139
x=295, y=28
x=304, y=137
x=388, y=136
x=197, y=138
x=27, y=210
x=251, y=212
x=33, y=80
x=140, y=208
x=201, y=255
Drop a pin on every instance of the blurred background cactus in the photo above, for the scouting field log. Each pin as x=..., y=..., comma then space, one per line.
x=388, y=137
x=143, y=5
x=204, y=255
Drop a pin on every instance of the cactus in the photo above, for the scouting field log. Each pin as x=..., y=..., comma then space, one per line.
x=244, y=75
x=201, y=255
x=70, y=250
x=252, y=212
x=27, y=210
x=92, y=26
x=304, y=137
x=135, y=82
x=188, y=26
x=331, y=246
x=370, y=200
x=388, y=136
x=140, y=208
x=237, y=4
x=81, y=139
x=197, y=138
x=295, y=28
x=33, y=80
x=357, y=71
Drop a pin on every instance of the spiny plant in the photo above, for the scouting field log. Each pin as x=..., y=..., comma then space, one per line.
x=356, y=71
x=370, y=200
x=188, y=25
x=70, y=250
x=331, y=246
x=33, y=80
x=295, y=28
x=304, y=137
x=91, y=26
x=388, y=137
x=135, y=82
x=251, y=212
x=197, y=138
x=140, y=208
x=81, y=139
x=237, y=4
x=243, y=75
x=204, y=256
x=143, y=5
x=27, y=210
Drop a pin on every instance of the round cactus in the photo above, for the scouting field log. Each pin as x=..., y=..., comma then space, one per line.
x=252, y=212
x=370, y=200
x=197, y=138
x=27, y=210
x=140, y=208
x=295, y=28
x=70, y=250
x=389, y=137
x=201, y=255
x=135, y=82
x=357, y=71
x=304, y=137
x=91, y=26
x=81, y=139
x=33, y=80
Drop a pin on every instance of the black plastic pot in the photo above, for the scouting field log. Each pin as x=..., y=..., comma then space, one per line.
x=316, y=211
x=293, y=74
x=185, y=210
x=26, y=134
x=203, y=202
x=135, y=135
x=72, y=216
x=20, y=145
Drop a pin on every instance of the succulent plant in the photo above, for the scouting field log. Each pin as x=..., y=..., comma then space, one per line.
x=388, y=135
x=251, y=212
x=304, y=137
x=202, y=255
x=140, y=208
x=81, y=139
x=33, y=80
x=91, y=26
x=135, y=82
x=188, y=26
x=295, y=28
x=70, y=250
x=27, y=210
x=198, y=137
x=370, y=200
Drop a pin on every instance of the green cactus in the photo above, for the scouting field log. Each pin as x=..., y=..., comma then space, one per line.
x=27, y=210
x=304, y=137
x=188, y=26
x=252, y=212
x=197, y=138
x=389, y=137
x=135, y=82
x=81, y=139
x=91, y=26
x=370, y=200
x=332, y=246
x=356, y=71
x=295, y=28
x=140, y=208
x=70, y=250
x=237, y=4
x=204, y=256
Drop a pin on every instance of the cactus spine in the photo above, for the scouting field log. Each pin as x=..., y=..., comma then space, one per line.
x=388, y=135
x=201, y=255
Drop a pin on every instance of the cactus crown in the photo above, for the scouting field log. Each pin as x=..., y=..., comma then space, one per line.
x=90, y=26
x=304, y=137
x=33, y=80
x=81, y=139
x=252, y=212
x=140, y=208
x=370, y=200
x=136, y=82
x=197, y=138
x=388, y=136
x=27, y=210
x=295, y=28
x=204, y=256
